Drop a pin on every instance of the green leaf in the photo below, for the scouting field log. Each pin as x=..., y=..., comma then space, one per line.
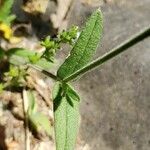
x=44, y=64
x=32, y=108
x=35, y=58
x=13, y=71
x=84, y=48
x=56, y=89
x=9, y=19
x=68, y=36
x=1, y=87
x=66, y=115
x=40, y=122
x=20, y=56
x=5, y=10
x=72, y=93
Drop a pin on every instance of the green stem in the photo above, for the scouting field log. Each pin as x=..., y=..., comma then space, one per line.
x=44, y=72
x=114, y=52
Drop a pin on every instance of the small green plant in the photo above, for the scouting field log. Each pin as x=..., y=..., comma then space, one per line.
x=15, y=77
x=65, y=99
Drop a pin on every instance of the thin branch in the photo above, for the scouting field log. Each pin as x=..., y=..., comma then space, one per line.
x=27, y=132
x=114, y=52
x=44, y=72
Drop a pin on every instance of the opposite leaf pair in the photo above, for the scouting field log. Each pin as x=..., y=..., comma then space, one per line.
x=66, y=100
x=65, y=90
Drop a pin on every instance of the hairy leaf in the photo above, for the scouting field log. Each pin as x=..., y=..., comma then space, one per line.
x=84, y=48
x=66, y=115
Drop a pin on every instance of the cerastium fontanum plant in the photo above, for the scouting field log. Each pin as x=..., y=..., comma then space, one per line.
x=65, y=98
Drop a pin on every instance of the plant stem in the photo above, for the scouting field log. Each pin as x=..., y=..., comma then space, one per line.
x=27, y=132
x=44, y=72
x=114, y=52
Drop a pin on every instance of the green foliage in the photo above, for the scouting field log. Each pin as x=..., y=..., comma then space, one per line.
x=5, y=11
x=37, y=120
x=53, y=45
x=35, y=58
x=66, y=114
x=65, y=98
x=49, y=43
x=72, y=94
x=32, y=106
x=20, y=56
x=1, y=87
x=84, y=48
x=13, y=72
x=15, y=77
x=2, y=53
x=69, y=36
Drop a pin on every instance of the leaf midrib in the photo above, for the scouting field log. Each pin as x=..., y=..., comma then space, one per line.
x=66, y=112
x=86, y=45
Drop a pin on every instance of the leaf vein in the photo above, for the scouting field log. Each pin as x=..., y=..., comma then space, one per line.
x=74, y=69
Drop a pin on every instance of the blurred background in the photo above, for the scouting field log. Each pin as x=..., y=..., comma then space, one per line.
x=115, y=99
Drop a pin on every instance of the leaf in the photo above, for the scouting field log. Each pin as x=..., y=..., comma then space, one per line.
x=1, y=87
x=56, y=90
x=44, y=64
x=13, y=71
x=66, y=117
x=5, y=10
x=20, y=56
x=40, y=122
x=32, y=108
x=84, y=48
x=72, y=93
x=69, y=100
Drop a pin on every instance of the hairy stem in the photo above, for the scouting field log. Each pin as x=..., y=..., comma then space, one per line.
x=114, y=52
